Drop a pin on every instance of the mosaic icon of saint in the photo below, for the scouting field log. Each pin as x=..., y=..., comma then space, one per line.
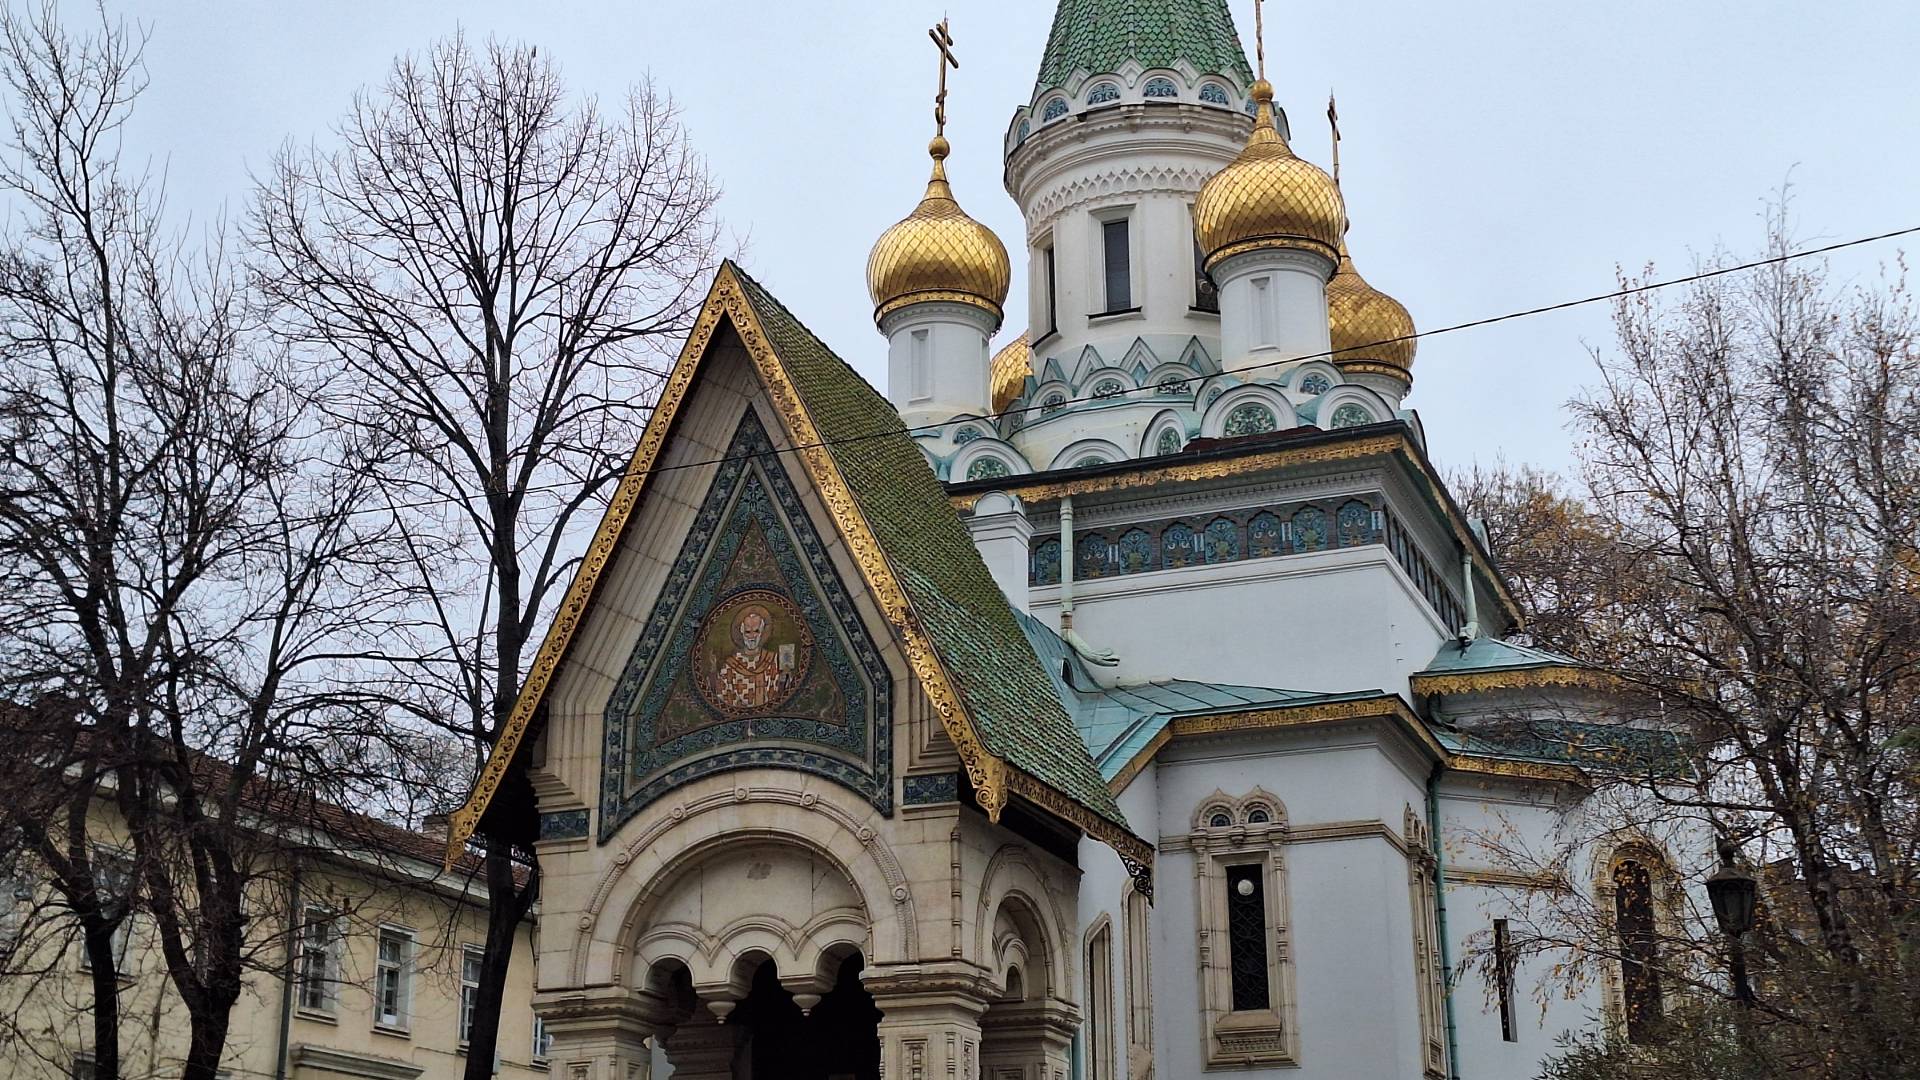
x=754, y=676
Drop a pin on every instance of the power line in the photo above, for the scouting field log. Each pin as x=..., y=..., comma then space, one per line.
x=1546, y=309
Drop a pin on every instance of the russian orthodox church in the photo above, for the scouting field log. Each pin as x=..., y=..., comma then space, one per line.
x=1113, y=704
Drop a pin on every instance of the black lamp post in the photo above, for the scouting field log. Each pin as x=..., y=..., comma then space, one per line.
x=1732, y=893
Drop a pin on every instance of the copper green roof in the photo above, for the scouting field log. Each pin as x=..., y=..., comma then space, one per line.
x=964, y=613
x=1100, y=36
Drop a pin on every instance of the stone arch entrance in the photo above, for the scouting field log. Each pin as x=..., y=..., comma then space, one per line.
x=835, y=1037
x=1027, y=1031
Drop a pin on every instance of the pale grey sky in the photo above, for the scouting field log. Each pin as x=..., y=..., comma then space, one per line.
x=1498, y=156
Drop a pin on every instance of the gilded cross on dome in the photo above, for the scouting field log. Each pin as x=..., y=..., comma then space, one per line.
x=942, y=40
x=1260, y=37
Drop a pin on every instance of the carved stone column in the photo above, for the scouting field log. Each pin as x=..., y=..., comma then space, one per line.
x=1027, y=1041
x=929, y=1024
x=601, y=1034
x=702, y=1048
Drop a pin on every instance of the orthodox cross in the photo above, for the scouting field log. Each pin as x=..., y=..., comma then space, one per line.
x=1333, y=121
x=942, y=40
x=1260, y=35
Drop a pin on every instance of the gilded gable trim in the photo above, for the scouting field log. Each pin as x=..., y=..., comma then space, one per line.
x=1529, y=678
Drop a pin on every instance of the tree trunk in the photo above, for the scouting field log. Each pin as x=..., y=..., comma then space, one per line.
x=207, y=1038
x=103, y=965
x=506, y=907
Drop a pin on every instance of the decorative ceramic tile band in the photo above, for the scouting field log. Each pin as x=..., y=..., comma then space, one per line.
x=564, y=825
x=929, y=790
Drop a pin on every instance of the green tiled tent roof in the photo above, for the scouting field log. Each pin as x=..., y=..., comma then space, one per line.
x=1099, y=36
x=1010, y=698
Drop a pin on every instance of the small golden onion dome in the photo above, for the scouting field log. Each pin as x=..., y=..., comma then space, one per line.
x=1268, y=198
x=938, y=253
x=1371, y=331
x=1011, y=366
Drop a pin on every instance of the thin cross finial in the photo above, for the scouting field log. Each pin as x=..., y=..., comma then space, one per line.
x=1260, y=35
x=1333, y=121
x=942, y=40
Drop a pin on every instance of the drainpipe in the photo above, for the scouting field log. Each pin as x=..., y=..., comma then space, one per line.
x=1092, y=655
x=287, y=973
x=1440, y=915
x=1472, y=629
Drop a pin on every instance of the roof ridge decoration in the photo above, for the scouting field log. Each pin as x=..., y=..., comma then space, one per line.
x=1100, y=36
x=1059, y=778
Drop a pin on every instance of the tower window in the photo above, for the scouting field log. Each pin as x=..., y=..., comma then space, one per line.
x=1119, y=264
x=920, y=363
x=1247, y=938
x=1214, y=94
x=1161, y=88
x=1053, y=292
x=1055, y=109
x=1206, y=295
x=1262, y=311
x=1100, y=1005
x=1104, y=93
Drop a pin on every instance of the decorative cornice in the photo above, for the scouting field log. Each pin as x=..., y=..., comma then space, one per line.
x=1375, y=367
x=1502, y=679
x=346, y=1063
x=1345, y=445
x=1119, y=182
x=1516, y=770
x=1306, y=244
x=941, y=296
x=1505, y=879
x=1135, y=852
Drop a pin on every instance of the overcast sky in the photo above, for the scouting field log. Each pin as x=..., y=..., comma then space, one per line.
x=1497, y=155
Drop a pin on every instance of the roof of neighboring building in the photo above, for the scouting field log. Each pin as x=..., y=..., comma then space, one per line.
x=1100, y=36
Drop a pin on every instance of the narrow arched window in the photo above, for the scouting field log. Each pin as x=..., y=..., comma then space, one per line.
x=1633, y=915
x=1100, y=1005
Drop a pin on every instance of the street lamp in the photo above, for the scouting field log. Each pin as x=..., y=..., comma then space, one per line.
x=1732, y=893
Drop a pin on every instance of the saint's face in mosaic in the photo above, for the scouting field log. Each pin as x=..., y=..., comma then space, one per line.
x=757, y=653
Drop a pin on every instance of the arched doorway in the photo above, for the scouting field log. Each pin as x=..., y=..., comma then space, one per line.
x=837, y=1039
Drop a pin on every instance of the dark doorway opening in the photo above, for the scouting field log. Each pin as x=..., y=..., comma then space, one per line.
x=838, y=1040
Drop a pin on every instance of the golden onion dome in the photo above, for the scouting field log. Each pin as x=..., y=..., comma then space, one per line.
x=938, y=253
x=1268, y=198
x=1371, y=331
x=1011, y=366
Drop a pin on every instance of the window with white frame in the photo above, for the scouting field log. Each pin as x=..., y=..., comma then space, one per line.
x=318, y=969
x=393, y=977
x=16, y=901
x=1100, y=1004
x=1139, y=979
x=82, y=1068
x=113, y=883
x=542, y=1040
x=1263, y=303
x=1247, y=1002
x=1051, y=270
x=920, y=364
x=471, y=957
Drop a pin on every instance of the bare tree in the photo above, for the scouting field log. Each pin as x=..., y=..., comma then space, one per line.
x=492, y=273
x=1751, y=466
x=175, y=561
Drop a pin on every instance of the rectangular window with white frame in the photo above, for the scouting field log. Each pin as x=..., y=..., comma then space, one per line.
x=542, y=1041
x=1051, y=269
x=318, y=971
x=113, y=881
x=471, y=957
x=393, y=979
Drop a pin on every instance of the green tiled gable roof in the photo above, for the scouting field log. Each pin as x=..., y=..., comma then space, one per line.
x=967, y=617
x=1100, y=36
